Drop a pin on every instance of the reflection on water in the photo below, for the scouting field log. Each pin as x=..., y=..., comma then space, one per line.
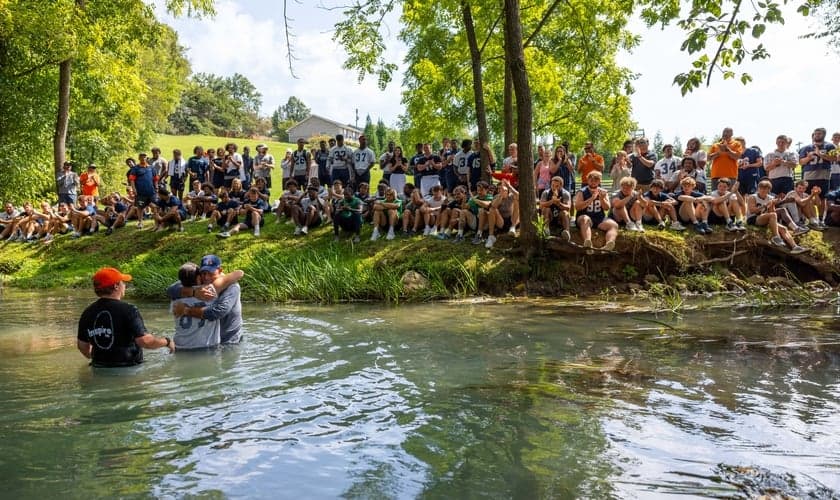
x=527, y=400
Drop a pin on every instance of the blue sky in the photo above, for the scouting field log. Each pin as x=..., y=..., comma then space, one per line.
x=793, y=92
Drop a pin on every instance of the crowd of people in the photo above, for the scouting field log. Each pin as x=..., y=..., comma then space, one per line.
x=457, y=191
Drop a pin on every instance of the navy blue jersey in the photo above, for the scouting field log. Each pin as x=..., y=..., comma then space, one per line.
x=144, y=181
x=593, y=208
x=173, y=201
x=663, y=197
x=260, y=204
x=197, y=166
x=749, y=176
x=223, y=206
x=817, y=163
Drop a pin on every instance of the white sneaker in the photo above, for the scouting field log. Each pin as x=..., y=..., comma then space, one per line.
x=512, y=231
x=375, y=235
x=257, y=231
x=433, y=232
x=490, y=241
x=676, y=226
x=609, y=246
x=631, y=226
x=639, y=227
x=566, y=235
x=304, y=230
x=426, y=231
x=297, y=230
x=390, y=235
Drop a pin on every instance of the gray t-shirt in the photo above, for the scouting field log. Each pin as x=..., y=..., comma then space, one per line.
x=780, y=171
x=195, y=333
x=227, y=308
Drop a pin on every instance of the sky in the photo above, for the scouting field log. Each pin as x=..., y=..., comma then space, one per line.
x=793, y=92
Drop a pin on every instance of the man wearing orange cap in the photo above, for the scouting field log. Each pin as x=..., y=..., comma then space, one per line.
x=111, y=332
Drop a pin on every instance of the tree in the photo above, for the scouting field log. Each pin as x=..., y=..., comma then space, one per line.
x=225, y=106
x=293, y=111
x=658, y=143
x=381, y=133
x=370, y=132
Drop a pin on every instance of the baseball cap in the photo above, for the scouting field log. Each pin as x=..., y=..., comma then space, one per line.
x=92, y=166
x=210, y=263
x=108, y=277
x=261, y=146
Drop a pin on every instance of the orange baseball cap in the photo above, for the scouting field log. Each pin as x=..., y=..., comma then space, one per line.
x=108, y=277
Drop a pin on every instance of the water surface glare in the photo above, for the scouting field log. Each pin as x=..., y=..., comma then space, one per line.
x=523, y=399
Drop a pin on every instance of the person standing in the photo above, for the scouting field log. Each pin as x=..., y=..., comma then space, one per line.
x=111, y=332
x=143, y=181
x=197, y=166
x=227, y=308
x=669, y=163
x=90, y=182
x=340, y=161
x=590, y=162
x=779, y=164
x=300, y=163
x=642, y=162
x=363, y=160
x=263, y=165
x=724, y=156
x=68, y=184
x=816, y=169
x=321, y=157
x=385, y=161
x=158, y=164
x=177, y=173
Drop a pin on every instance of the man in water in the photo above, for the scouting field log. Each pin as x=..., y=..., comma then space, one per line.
x=227, y=307
x=111, y=332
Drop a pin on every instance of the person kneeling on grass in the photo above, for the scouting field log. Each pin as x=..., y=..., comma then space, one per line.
x=251, y=210
x=626, y=206
x=761, y=210
x=659, y=205
x=726, y=206
x=693, y=206
x=555, y=206
x=590, y=204
x=311, y=213
x=386, y=213
x=348, y=215
x=169, y=211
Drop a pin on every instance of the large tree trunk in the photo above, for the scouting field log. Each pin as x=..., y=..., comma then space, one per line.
x=515, y=60
x=508, y=105
x=60, y=137
x=478, y=87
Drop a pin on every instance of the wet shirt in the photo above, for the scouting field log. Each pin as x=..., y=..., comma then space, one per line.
x=111, y=326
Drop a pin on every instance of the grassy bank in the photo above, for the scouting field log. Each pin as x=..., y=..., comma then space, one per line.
x=281, y=267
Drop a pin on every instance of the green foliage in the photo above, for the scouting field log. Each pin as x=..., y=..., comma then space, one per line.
x=225, y=106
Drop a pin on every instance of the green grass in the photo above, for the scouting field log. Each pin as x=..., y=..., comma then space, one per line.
x=186, y=143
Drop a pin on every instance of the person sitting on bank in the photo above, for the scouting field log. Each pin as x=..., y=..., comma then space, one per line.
x=693, y=206
x=252, y=210
x=312, y=211
x=556, y=205
x=627, y=205
x=386, y=213
x=169, y=211
x=725, y=207
x=348, y=215
x=761, y=211
x=659, y=205
x=502, y=215
x=591, y=202
x=111, y=332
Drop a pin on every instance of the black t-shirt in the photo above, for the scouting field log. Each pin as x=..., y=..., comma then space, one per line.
x=111, y=326
x=641, y=173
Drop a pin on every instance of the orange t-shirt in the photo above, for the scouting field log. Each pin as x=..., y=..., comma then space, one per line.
x=587, y=164
x=723, y=165
x=90, y=184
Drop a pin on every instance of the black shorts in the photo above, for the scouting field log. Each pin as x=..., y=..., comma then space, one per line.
x=143, y=201
x=506, y=224
x=716, y=219
x=782, y=185
x=596, y=219
x=250, y=224
x=751, y=220
x=176, y=183
x=824, y=184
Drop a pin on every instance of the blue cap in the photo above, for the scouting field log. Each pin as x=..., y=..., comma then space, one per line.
x=210, y=264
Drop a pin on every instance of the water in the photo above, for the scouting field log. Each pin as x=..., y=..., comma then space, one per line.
x=523, y=400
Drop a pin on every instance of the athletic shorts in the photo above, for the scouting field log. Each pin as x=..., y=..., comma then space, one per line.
x=716, y=219
x=596, y=219
x=143, y=201
x=250, y=224
x=782, y=185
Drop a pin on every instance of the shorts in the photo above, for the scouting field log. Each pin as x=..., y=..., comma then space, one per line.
x=223, y=219
x=301, y=180
x=250, y=224
x=353, y=223
x=596, y=218
x=342, y=175
x=176, y=183
x=506, y=224
x=70, y=199
x=782, y=185
x=716, y=219
x=365, y=177
x=746, y=188
x=751, y=220
x=143, y=201
x=834, y=183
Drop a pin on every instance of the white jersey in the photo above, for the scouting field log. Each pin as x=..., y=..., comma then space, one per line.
x=460, y=162
x=666, y=167
x=433, y=203
x=263, y=164
x=196, y=333
x=363, y=159
x=177, y=168
x=341, y=157
x=300, y=162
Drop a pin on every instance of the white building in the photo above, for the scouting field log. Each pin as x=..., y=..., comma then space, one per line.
x=315, y=125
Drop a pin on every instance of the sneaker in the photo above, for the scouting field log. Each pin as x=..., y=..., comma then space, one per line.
x=798, y=249
x=676, y=226
x=140, y=225
x=609, y=246
x=356, y=239
x=180, y=229
x=639, y=227
x=375, y=235
x=75, y=235
x=109, y=231
x=730, y=226
x=433, y=233
x=512, y=231
x=707, y=228
x=491, y=240
x=226, y=226
x=224, y=234
x=698, y=226
x=48, y=237
x=390, y=235
x=442, y=236
x=209, y=228
x=477, y=240
x=257, y=231
x=661, y=225
x=304, y=230
x=822, y=225
x=459, y=238
x=740, y=226
x=778, y=241
x=630, y=226
x=800, y=230
x=427, y=231
x=566, y=235
x=298, y=229
x=587, y=244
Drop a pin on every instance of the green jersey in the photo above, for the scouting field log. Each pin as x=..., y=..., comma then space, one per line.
x=474, y=206
x=346, y=207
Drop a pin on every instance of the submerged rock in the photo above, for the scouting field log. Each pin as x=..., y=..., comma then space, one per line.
x=414, y=282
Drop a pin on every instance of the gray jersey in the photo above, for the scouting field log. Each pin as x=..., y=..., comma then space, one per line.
x=195, y=333
x=363, y=159
x=341, y=157
x=781, y=171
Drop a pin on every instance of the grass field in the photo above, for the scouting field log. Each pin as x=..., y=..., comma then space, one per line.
x=186, y=143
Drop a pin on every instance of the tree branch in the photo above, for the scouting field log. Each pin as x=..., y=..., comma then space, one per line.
x=490, y=33
x=289, y=54
x=723, y=41
x=542, y=22
x=35, y=68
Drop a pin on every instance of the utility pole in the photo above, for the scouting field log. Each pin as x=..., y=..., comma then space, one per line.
x=357, y=117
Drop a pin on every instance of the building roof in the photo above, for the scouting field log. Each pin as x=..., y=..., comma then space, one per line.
x=337, y=124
